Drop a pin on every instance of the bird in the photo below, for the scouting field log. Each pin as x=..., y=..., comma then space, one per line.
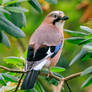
x=45, y=47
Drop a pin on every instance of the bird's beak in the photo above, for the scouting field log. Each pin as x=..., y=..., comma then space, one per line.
x=64, y=18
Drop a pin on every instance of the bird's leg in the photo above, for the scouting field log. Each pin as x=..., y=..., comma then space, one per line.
x=50, y=73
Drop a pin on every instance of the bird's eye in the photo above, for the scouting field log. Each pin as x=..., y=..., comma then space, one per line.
x=55, y=15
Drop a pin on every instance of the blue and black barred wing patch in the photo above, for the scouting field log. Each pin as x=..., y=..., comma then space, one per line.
x=55, y=49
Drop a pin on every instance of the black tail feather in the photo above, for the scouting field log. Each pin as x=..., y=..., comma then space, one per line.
x=29, y=80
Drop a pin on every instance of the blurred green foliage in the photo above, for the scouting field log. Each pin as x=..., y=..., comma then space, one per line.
x=24, y=16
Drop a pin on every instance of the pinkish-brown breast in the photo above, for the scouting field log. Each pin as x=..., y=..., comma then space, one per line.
x=47, y=35
x=53, y=61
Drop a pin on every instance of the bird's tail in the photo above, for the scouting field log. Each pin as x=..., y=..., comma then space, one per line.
x=30, y=79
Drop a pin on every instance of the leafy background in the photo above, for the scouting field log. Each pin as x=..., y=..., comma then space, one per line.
x=19, y=19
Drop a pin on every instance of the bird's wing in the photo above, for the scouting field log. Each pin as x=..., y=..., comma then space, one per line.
x=43, y=52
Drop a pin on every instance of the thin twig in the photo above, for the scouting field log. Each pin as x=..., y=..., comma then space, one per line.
x=11, y=70
x=60, y=86
x=19, y=82
x=72, y=76
x=68, y=86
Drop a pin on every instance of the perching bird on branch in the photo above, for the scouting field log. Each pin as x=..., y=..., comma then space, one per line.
x=45, y=47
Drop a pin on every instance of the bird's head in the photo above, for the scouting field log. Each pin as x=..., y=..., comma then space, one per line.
x=56, y=18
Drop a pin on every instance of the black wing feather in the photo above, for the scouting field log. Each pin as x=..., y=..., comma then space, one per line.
x=40, y=53
x=30, y=53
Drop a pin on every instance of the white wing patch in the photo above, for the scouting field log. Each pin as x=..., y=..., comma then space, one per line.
x=49, y=53
x=43, y=61
x=40, y=66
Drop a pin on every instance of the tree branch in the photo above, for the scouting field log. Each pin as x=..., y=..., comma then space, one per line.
x=11, y=70
x=42, y=73
x=59, y=86
x=72, y=76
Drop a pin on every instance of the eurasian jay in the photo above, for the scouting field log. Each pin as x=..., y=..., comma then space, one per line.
x=45, y=47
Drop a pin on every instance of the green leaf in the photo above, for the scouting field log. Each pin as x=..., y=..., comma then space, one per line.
x=31, y=90
x=18, y=19
x=2, y=81
x=86, y=41
x=88, y=47
x=0, y=1
x=87, y=82
x=13, y=60
x=52, y=1
x=45, y=71
x=88, y=36
x=10, y=88
x=75, y=40
x=5, y=1
x=85, y=28
x=16, y=9
x=87, y=71
x=4, y=39
x=9, y=77
x=39, y=87
x=0, y=37
x=10, y=2
x=87, y=57
x=3, y=10
x=57, y=69
x=78, y=56
x=25, y=54
x=75, y=33
x=53, y=81
x=36, y=5
x=10, y=28
x=57, y=74
x=1, y=14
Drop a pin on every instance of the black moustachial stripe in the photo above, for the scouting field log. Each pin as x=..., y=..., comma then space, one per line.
x=56, y=20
